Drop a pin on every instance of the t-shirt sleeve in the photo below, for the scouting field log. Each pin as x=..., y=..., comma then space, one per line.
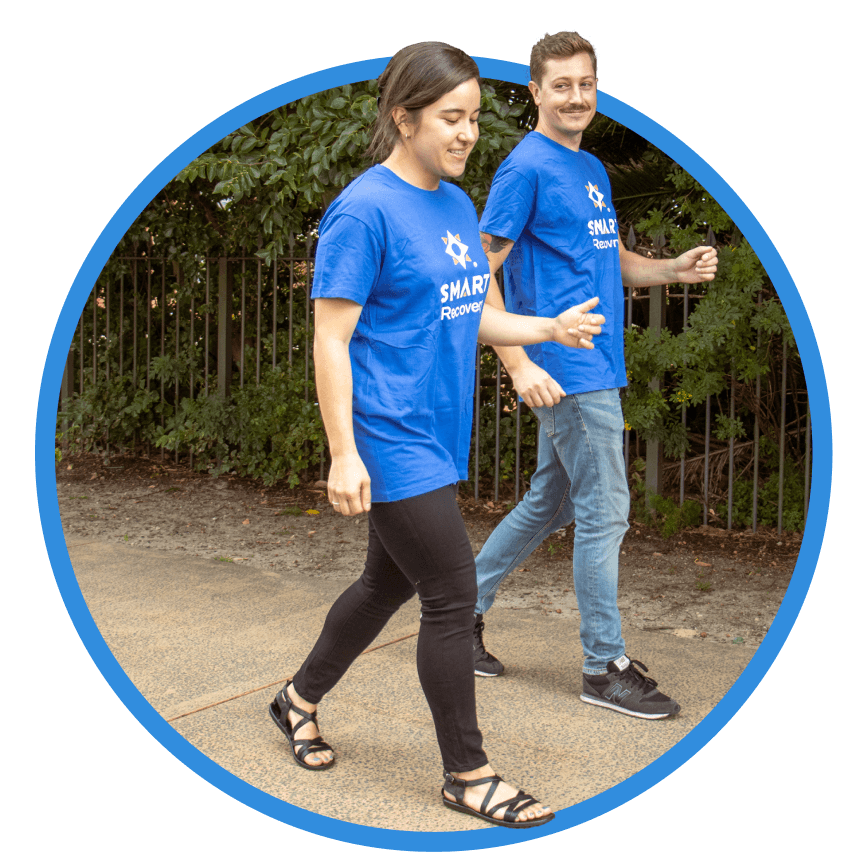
x=348, y=260
x=509, y=206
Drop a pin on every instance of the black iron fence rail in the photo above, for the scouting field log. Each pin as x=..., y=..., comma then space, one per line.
x=220, y=320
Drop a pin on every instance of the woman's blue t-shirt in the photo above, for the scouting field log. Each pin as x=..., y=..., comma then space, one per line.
x=413, y=259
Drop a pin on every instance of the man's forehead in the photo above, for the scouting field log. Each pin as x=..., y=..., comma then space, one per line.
x=577, y=66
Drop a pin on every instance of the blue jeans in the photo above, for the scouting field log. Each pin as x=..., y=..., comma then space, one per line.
x=580, y=476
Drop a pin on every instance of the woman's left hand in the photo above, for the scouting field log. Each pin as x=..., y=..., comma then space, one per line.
x=575, y=327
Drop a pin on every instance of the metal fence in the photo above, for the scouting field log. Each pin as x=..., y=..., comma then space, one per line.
x=188, y=332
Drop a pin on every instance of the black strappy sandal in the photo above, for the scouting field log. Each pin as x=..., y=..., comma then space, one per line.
x=279, y=711
x=515, y=805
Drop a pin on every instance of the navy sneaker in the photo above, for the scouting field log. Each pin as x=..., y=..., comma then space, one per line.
x=626, y=690
x=486, y=665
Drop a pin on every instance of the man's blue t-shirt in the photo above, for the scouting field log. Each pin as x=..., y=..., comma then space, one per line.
x=413, y=259
x=556, y=205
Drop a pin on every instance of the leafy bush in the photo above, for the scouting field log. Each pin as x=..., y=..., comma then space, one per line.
x=768, y=495
x=665, y=514
x=108, y=412
x=266, y=431
x=507, y=442
x=507, y=428
x=279, y=433
x=264, y=186
x=735, y=330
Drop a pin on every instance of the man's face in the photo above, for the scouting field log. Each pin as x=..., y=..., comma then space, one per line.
x=566, y=99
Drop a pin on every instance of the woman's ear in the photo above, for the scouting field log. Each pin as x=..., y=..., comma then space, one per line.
x=401, y=119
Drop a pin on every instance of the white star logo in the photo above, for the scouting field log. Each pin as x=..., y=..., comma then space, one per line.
x=459, y=255
x=595, y=196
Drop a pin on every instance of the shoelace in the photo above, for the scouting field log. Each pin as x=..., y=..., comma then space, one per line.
x=479, y=637
x=637, y=678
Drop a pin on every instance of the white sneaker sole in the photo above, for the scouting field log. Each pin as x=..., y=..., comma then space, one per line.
x=601, y=704
x=481, y=674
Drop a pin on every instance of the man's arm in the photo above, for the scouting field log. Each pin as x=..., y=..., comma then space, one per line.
x=534, y=385
x=692, y=267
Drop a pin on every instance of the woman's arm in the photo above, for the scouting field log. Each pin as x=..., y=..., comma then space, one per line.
x=574, y=327
x=348, y=480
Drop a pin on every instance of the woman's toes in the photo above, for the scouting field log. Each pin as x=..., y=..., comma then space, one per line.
x=530, y=813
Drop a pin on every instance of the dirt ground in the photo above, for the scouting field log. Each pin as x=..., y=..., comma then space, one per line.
x=703, y=582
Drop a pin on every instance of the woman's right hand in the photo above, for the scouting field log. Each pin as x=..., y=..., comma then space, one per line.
x=349, y=485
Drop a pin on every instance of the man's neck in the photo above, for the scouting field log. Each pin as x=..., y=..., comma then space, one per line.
x=567, y=141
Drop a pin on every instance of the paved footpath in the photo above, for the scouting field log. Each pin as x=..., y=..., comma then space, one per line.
x=209, y=643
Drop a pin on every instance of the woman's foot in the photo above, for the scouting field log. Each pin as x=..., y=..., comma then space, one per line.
x=296, y=718
x=473, y=797
x=308, y=731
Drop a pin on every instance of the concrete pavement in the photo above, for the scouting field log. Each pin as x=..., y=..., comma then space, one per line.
x=209, y=643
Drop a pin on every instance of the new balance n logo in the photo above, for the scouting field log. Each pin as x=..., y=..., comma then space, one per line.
x=616, y=693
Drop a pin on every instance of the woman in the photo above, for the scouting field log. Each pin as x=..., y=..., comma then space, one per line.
x=399, y=285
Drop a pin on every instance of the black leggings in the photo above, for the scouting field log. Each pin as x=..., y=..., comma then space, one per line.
x=418, y=544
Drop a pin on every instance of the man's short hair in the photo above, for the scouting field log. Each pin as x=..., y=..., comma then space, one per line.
x=559, y=46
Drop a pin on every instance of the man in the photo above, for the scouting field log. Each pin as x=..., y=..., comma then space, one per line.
x=549, y=219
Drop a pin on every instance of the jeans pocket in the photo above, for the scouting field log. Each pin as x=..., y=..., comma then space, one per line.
x=546, y=416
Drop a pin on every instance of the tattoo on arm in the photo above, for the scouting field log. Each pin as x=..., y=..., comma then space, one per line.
x=493, y=244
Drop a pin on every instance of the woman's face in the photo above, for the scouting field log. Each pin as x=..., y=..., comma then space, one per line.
x=440, y=142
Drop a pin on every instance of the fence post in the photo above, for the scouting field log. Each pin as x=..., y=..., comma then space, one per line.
x=656, y=321
x=631, y=246
x=225, y=326
x=67, y=390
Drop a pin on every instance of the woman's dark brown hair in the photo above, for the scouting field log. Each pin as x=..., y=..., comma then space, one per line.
x=415, y=77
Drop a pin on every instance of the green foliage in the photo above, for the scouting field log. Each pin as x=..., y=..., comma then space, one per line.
x=665, y=514
x=726, y=428
x=720, y=342
x=280, y=433
x=109, y=411
x=273, y=178
x=204, y=427
x=507, y=427
x=266, y=431
x=735, y=328
x=262, y=190
x=768, y=495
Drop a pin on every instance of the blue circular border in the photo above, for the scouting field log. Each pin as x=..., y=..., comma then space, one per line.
x=313, y=822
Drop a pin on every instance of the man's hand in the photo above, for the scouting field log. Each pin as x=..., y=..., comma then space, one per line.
x=696, y=265
x=576, y=326
x=349, y=485
x=535, y=385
